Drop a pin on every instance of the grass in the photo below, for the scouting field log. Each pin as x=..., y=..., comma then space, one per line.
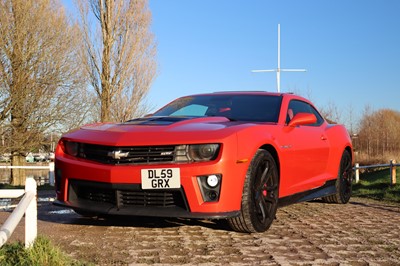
x=42, y=187
x=376, y=185
x=7, y=186
x=43, y=252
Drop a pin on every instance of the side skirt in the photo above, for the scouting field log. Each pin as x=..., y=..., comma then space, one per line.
x=327, y=189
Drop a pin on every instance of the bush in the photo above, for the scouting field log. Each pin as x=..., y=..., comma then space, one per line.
x=41, y=253
x=364, y=159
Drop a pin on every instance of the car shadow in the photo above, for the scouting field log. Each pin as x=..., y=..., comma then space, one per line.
x=48, y=212
x=390, y=206
x=369, y=203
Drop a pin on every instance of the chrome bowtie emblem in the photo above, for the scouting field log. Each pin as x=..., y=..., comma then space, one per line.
x=117, y=154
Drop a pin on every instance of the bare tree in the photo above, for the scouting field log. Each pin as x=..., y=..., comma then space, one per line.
x=119, y=54
x=350, y=120
x=331, y=113
x=379, y=134
x=38, y=74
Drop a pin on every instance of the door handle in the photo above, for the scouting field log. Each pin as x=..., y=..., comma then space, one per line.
x=323, y=137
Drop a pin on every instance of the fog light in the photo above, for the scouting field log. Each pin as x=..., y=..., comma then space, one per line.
x=212, y=181
x=212, y=195
x=210, y=187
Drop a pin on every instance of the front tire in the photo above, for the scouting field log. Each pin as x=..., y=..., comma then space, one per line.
x=343, y=181
x=260, y=195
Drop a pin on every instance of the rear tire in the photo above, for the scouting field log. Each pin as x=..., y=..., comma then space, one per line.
x=260, y=195
x=343, y=181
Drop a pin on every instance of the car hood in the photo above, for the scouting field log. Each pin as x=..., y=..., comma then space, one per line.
x=159, y=131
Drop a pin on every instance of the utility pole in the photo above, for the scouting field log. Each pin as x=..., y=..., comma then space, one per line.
x=279, y=69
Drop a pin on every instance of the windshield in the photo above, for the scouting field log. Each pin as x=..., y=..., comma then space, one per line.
x=257, y=108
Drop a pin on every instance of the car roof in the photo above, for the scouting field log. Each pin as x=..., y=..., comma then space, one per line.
x=240, y=93
x=267, y=93
x=287, y=95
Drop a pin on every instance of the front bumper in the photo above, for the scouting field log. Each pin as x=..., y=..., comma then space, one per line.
x=130, y=199
x=116, y=190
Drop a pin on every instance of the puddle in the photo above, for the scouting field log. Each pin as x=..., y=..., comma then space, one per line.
x=9, y=204
x=62, y=212
x=5, y=202
x=48, y=199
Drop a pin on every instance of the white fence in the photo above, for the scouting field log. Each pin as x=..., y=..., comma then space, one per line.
x=392, y=168
x=27, y=206
x=50, y=167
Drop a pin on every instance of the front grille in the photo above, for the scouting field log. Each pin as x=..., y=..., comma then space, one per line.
x=128, y=155
x=153, y=198
x=107, y=196
x=121, y=195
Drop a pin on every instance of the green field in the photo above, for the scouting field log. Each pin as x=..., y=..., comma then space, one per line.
x=376, y=185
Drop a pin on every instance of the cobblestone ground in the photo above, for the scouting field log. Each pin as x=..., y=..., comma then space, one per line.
x=363, y=232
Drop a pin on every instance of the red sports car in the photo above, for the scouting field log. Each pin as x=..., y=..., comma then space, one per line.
x=229, y=155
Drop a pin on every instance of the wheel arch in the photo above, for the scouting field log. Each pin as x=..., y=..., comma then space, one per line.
x=339, y=153
x=350, y=150
x=271, y=149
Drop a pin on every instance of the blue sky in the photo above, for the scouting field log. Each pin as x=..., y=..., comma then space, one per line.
x=350, y=48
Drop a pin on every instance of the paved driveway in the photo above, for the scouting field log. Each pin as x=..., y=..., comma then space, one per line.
x=363, y=232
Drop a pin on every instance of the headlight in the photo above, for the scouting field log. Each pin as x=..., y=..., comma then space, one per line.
x=203, y=152
x=196, y=152
x=71, y=148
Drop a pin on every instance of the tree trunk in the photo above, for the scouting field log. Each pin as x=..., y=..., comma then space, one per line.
x=120, y=54
x=105, y=105
x=18, y=176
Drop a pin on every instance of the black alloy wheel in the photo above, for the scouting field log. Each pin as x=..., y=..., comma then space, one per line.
x=344, y=181
x=260, y=195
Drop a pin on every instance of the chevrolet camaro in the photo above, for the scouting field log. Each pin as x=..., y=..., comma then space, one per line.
x=236, y=156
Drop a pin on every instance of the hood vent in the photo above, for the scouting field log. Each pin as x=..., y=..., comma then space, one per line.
x=156, y=120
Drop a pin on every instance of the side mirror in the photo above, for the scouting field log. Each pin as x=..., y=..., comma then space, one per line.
x=301, y=119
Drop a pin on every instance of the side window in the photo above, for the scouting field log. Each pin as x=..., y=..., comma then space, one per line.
x=320, y=119
x=296, y=107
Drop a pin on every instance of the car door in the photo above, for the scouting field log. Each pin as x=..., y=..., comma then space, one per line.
x=305, y=151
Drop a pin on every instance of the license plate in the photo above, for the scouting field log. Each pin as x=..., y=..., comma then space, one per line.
x=161, y=178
